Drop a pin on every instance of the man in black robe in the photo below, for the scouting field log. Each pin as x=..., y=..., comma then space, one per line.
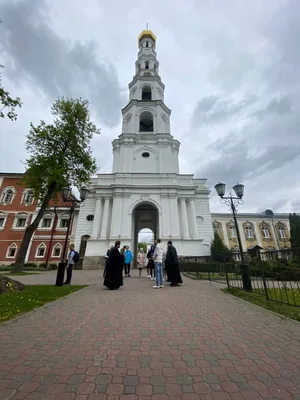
x=113, y=275
x=172, y=265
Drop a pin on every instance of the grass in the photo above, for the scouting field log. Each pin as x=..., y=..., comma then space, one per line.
x=260, y=300
x=16, y=303
x=18, y=273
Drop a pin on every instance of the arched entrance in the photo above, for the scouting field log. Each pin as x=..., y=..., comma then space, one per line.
x=82, y=250
x=145, y=215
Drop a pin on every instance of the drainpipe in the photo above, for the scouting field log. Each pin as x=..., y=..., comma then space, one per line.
x=52, y=233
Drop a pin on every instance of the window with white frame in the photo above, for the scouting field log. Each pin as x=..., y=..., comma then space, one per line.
x=41, y=250
x=281, y=231
x=46, y=222
x=64, y=222
x=28, y=197
x=265, y=230
x=236, y=254
x=12, y=251
x=2, y=220
x=249, y=230
x=232, y=230
x=56, y=250
x=21, y=221
x=7, y=195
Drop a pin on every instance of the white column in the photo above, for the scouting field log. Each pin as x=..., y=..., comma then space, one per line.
x=193, y=221
x=105, y=219
x=174, y=216
x=165, y=216
x=225, y=234
x=126, y=218
x=257, y=234
x=97, y=219
x=116, y=217
x=242, y=234
x=184, y=219
x=274, y=235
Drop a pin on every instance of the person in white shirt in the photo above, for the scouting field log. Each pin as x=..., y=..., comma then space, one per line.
x=158, y=259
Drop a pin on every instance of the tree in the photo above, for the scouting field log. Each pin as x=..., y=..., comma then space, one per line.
x=60, y=155
x=8, y=102
x=142, y=245
x=219, y=251
x=295, y=231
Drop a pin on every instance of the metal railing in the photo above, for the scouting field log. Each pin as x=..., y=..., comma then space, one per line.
x=275, y=275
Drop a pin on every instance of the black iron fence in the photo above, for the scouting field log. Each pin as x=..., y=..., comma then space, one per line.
x=275, y=274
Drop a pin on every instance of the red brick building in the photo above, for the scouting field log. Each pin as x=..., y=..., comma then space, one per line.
x=18, y=208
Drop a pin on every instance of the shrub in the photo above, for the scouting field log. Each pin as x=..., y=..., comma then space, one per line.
x=42, y=265
x=52, y=266
x=30, y=265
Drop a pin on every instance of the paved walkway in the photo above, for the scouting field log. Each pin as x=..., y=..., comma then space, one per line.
x=190, y=342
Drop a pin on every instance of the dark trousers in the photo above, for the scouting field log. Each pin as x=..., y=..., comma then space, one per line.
x=127, y=269
x=69, y=273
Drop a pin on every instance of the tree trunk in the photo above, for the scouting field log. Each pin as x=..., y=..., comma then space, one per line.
x=20, y=260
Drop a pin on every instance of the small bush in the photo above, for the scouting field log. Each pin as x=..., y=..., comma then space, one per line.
x=52, y=266
x=42, y=265
x=30, y=265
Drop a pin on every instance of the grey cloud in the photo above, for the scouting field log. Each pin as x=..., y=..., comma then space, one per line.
x=55, y=65
x=216, y=110
x=275, y=106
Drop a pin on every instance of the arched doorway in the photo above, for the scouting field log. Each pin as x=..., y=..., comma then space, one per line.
x=144, y=216
x=82, y=250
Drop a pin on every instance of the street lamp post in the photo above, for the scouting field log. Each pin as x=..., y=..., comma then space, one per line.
x=66, y=196
x=233, y=202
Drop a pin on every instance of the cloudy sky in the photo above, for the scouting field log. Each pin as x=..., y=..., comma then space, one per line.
x=231, y=70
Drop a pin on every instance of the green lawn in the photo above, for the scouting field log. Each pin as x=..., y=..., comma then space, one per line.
x=18, y=273
x=260, y=300
x=16, y=303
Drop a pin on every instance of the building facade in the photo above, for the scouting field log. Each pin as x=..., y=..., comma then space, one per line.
x=18, y=208
x=145, y=188
x=268, y=230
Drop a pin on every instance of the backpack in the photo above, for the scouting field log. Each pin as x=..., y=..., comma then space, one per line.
x=76, y=257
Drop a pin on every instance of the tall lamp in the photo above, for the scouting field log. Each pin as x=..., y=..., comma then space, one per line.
x=72, y=201
x=233, y=202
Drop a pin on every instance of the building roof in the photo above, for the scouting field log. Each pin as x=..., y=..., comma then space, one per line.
x=147, y=33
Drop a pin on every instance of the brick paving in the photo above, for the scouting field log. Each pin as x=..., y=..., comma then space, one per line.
x=191, y=342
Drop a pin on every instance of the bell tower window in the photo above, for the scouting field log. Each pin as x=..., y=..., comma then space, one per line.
x=146, y=122
x=147, y=44
x=146, y=64
x=146, y=93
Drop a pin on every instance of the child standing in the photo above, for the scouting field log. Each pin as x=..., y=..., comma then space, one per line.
x=141, y=261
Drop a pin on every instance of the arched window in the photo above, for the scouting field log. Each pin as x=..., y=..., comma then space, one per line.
x=56, y=250
x=147, y=44
x=46, y=222
x=139, y=66
x=249, y=230
x=281, y=230
x=12, y=251
x=146, y=64
x=232, y=230
x=20, y=221
x=28, y=197
x=146, y=122
x=265, y=230
x=146, y=93
x=41, y=250
x=8, y=196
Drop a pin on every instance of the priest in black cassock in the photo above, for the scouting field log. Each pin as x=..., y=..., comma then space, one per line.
x=172, y=265
x=113, y=274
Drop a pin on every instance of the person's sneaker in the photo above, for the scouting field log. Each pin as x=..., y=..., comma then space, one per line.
x=161, y=286
x=155, y=287
x=152, y=279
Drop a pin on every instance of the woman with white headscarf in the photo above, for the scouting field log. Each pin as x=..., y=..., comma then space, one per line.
x=141, y=258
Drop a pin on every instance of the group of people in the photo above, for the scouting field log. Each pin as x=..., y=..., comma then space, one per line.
x=160, y=265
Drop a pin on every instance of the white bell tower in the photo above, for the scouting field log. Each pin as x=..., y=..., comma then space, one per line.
x=146, y=144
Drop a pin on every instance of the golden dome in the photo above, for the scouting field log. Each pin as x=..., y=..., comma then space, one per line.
x=147, y=33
